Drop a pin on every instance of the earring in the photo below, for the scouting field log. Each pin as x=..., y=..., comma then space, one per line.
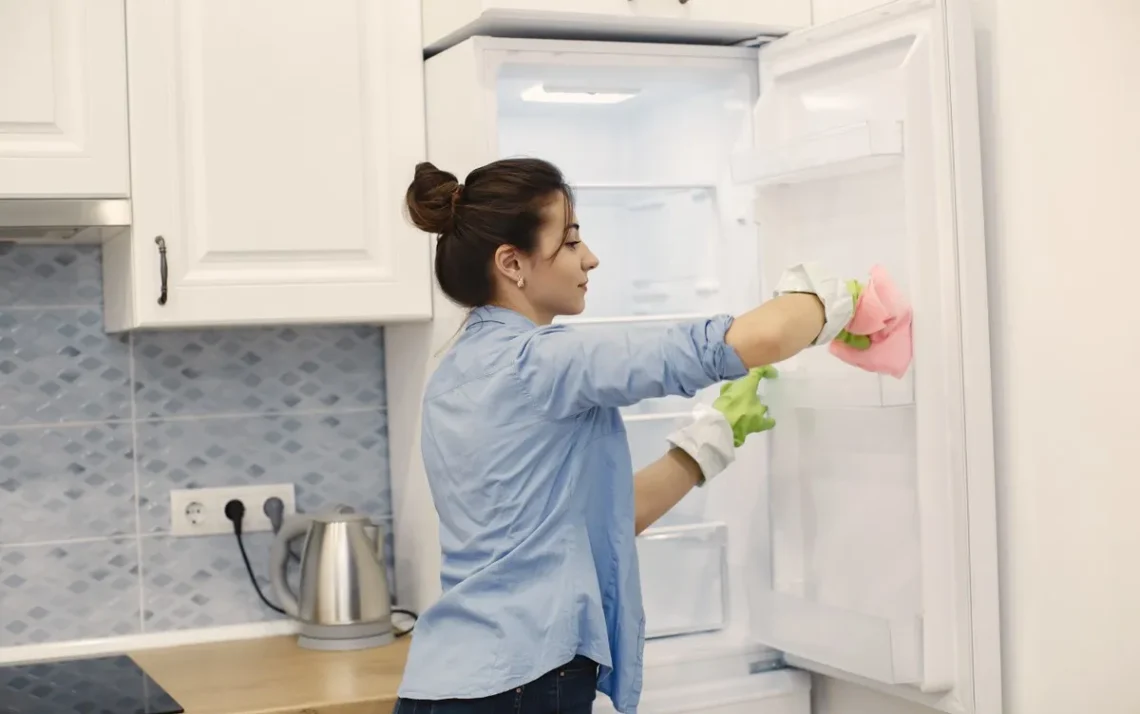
x=521, y=282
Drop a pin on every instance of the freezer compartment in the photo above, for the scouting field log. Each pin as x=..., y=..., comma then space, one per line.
x=684, y=578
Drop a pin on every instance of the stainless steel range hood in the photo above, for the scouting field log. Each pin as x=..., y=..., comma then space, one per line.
x=83, y=220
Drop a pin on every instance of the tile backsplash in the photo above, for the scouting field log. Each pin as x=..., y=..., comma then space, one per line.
x=96, y=429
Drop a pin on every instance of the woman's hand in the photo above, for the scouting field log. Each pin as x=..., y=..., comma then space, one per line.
x=703, y=448
x=714, y=434
x=835, y=295
x=740, y=403
x=811, y=307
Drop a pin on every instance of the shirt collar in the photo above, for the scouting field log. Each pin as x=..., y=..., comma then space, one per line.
x=501, y=315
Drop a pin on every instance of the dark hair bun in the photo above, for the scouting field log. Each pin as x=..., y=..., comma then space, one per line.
x=430, y=199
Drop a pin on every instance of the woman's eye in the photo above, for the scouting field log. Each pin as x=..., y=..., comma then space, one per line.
x=572, y=244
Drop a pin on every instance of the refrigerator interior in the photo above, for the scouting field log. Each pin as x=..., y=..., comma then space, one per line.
x=646, y=147
x=830, y=495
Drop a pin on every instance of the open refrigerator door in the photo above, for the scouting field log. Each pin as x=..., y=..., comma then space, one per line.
x=873, y=544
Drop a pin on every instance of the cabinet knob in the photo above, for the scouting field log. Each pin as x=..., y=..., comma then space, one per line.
x=162, y=269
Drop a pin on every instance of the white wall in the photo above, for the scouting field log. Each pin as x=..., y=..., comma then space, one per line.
x=1060, y=120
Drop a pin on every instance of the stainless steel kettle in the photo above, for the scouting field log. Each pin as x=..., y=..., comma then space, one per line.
x=343, y=602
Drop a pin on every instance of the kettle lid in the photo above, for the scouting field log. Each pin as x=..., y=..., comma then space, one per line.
x=339, y=516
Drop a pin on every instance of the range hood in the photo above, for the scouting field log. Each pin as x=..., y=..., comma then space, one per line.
x=73, y=220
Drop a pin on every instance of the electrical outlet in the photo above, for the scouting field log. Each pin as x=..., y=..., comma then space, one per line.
x=202, y=511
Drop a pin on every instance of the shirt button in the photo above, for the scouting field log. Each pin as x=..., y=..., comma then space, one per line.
x=518, y=691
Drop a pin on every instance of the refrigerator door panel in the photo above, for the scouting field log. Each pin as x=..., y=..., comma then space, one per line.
x=868, y=548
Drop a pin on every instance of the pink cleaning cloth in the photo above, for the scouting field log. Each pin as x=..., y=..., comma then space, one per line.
x=885, y=316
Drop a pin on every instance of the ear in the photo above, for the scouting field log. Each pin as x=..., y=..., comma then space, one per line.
x=508, y=262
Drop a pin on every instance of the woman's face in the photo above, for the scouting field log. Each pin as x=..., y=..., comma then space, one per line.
x=556, y=274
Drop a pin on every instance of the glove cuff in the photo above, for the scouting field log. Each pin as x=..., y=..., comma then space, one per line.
x=707, y=440
x=838, y=304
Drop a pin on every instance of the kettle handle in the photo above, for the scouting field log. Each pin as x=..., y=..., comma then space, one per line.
x=292, y=528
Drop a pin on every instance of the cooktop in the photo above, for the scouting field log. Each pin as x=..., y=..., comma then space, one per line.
x=101, y=685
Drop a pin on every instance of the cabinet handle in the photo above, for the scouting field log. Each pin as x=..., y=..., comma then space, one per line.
x=162, y=270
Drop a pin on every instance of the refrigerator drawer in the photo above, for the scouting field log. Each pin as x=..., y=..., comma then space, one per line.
x=684, y=578
x=778, y=692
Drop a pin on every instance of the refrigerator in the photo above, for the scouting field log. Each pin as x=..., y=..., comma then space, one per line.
x=857, y=538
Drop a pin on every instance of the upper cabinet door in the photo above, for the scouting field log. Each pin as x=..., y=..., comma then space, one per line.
x=272, y=142
x=63, y=99
x=448, y=22
x=876, y=548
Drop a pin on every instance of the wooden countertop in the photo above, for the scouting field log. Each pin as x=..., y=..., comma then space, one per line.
x=275, y=676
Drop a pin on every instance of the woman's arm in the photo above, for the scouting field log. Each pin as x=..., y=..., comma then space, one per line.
x=567, y=371
x=661, y=485
x=776, y=330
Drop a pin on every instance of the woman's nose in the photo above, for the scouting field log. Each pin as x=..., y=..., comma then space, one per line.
x=591, y=260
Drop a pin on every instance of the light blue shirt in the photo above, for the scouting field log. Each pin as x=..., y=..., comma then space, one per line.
x=529, y=467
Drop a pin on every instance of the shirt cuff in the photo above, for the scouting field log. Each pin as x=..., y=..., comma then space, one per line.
x=723, y=360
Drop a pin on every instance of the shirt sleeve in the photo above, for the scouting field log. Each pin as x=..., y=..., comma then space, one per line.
x=566, y=371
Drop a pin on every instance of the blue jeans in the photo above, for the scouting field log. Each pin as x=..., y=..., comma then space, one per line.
x=569, y=689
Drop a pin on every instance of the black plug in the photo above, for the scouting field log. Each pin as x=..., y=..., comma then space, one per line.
x=235, y=511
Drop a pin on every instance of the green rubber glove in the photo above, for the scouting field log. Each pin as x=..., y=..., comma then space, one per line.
x=741, y=405
x=859, y=342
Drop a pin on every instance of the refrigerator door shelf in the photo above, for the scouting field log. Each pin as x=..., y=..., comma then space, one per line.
x=857, y=148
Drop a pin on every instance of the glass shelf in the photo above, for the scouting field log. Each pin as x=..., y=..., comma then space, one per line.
x=657, y=246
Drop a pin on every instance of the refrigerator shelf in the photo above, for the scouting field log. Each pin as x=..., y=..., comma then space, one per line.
x=856, y=148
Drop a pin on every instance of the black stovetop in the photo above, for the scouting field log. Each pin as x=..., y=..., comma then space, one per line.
x=102, y=685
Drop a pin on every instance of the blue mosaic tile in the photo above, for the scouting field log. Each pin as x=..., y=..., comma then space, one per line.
x=202, y=582
x=63, y=483
x=258, y=370
x=68, y=591
x=50, y=275
x=58, y=365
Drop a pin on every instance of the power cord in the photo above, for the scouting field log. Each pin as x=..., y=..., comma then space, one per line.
x=235, y=511
x=409, y=613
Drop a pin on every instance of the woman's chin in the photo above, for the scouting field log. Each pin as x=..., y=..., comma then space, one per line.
x=573, y=309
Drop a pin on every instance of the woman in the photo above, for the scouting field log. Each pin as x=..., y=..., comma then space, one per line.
x=526, y=454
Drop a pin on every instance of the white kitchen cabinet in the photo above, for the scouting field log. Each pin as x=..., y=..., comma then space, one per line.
x=823, y=11
x=63, y=99
x=448, y=22
x=271, y=145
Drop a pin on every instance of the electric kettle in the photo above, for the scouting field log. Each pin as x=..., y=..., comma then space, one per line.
x=343, y=602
